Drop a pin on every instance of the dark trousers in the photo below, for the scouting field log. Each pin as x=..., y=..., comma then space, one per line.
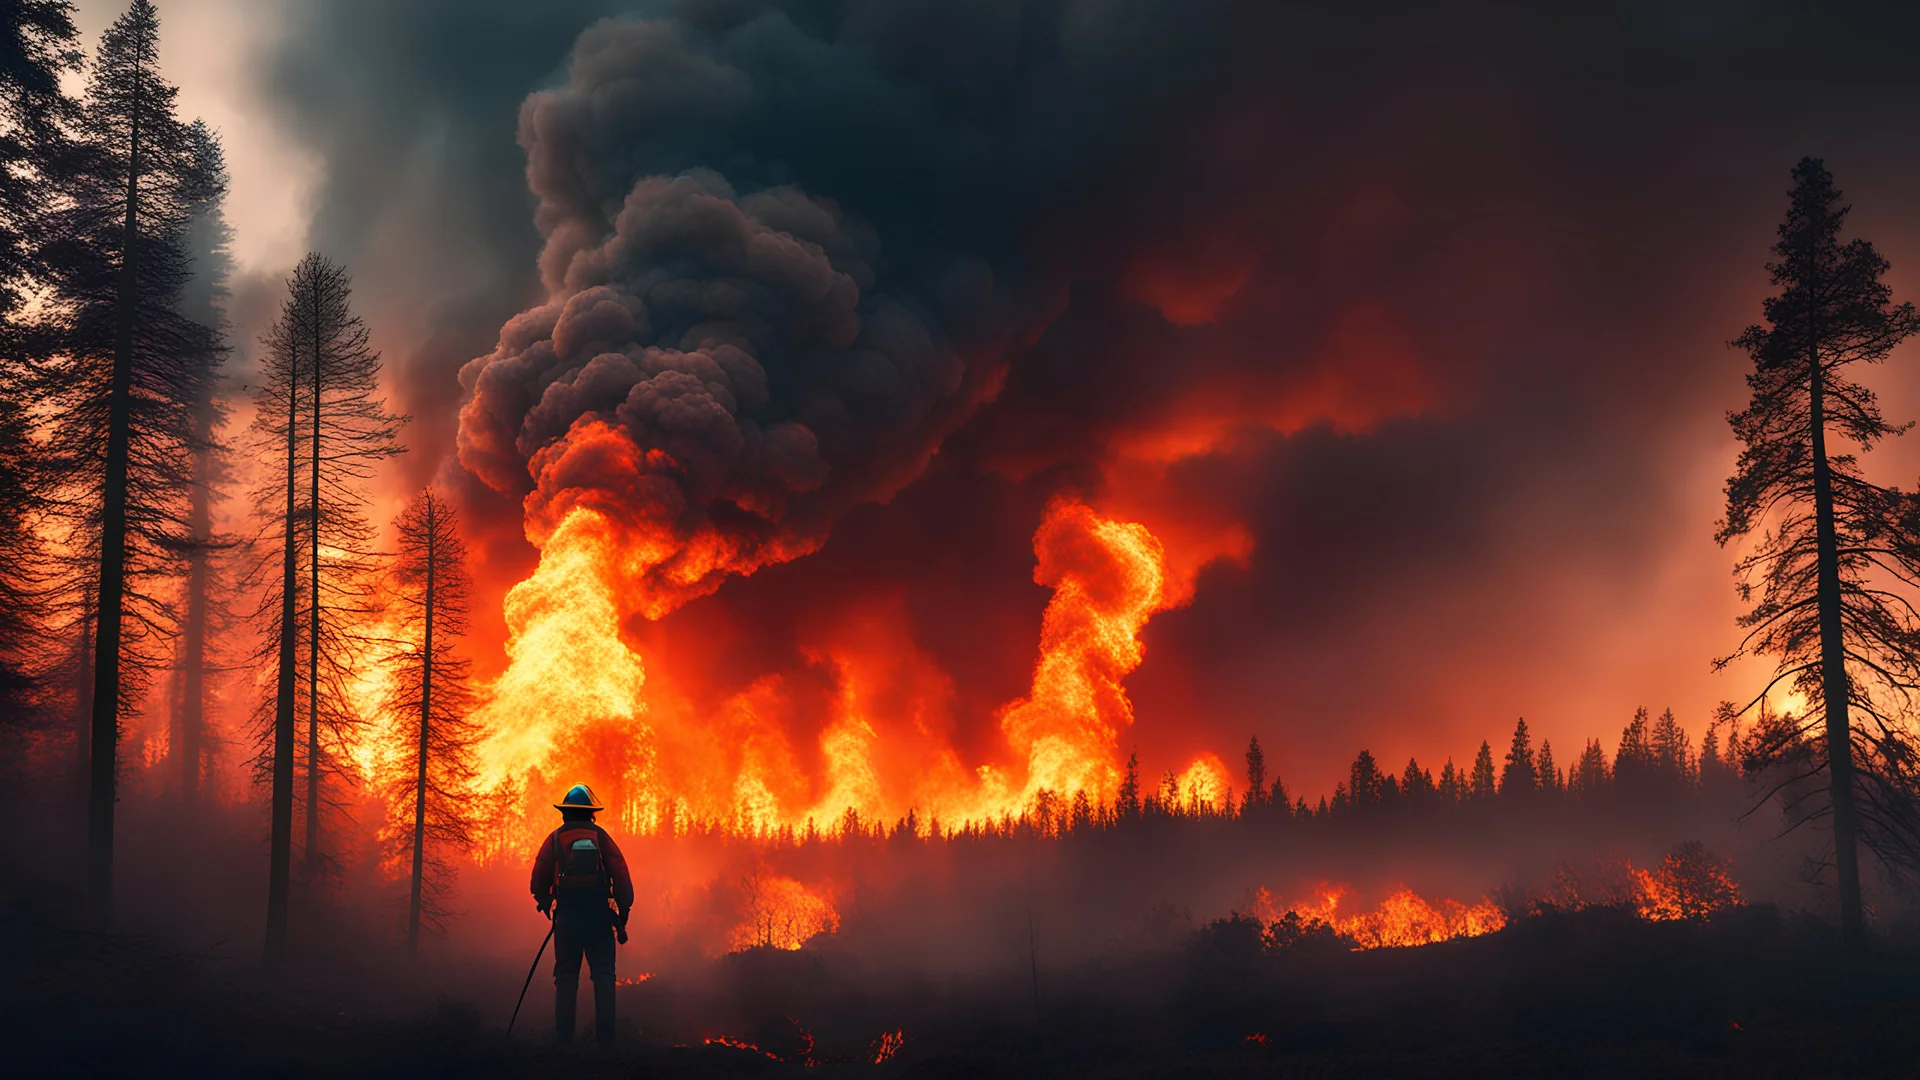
x=583, y=933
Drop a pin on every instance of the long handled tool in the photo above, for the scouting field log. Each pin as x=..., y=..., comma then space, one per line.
x=529, y=982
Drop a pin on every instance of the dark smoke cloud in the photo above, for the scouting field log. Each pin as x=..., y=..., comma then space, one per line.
x=743, y=335
x=1438, y=292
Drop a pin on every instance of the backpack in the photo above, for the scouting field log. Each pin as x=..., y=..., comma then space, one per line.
x=579, y=866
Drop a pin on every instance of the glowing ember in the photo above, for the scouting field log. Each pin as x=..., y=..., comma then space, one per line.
x=806, y=1055
x=888, y=1045
x=782, y=914
x=634, y=980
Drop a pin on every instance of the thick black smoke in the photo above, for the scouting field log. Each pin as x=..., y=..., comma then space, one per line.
x=779, y=266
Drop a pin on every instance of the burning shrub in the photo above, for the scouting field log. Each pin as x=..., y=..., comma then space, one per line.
x=1691, y=883
x=1294, y=933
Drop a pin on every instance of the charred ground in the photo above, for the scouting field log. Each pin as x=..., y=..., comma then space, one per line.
x=1750, y=993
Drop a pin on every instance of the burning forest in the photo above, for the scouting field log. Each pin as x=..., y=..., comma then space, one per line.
x=1028, y=538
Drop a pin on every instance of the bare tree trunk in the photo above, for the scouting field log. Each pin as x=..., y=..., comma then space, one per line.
x=103, y=765
x=420, y=769
x=312, y=864
x=1833, y=670
x=281, y=857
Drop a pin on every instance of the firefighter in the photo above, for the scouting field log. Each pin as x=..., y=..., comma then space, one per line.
x=580, y=881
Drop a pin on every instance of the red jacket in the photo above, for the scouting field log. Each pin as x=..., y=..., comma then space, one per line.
x=545, y=865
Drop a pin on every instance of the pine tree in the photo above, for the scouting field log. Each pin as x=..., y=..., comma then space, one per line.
x=1453, y=788
x=1713, y=771
x=1519, y=776
x=129, y=366
x=1550, y=780
x=1839, y=636
x=1127, y=805
x=1633, y=760
x=1365, y=784
x=1672, y=750
x=37, y=47
x=1416, y=783
x=319, y=417
x=1480, y=784
x=1256, y=774
x=1590, y=774
x=433, y=767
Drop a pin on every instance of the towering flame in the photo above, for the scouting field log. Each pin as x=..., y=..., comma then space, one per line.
x=1108, y=577
x=572, y=703
x=568, y=674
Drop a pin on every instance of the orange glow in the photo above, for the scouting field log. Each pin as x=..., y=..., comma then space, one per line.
x=1192, y=291
x=782, y=914
x=1366, y=370
x=1204, y=786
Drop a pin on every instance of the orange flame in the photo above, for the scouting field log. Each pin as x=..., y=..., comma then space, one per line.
x=572, y=705
x=782, y=914
x=1402, y=920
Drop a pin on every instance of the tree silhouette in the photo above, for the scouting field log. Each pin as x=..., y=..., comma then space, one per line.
x=1416, y=783
x=1672, y=750
x=319, y=416
x=1480, y=782
x=1830, y=548
x=129, y=366
x=1453, y=787
x=37, y=47
x=1633, y=760
x=1589, y=775
x=1550, y=779
x=1127, y=805
x=1519, y=776
x=430, y=699
x=1365, y=783
x=1256, y=773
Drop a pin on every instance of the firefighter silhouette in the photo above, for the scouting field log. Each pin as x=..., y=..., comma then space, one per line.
x=580, y=881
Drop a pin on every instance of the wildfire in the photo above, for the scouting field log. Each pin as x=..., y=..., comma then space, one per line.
x=1690, y=883
x=1109, y=577
x=1402, y=920
x=572, y=704
x=782, y=914
x=569, y=676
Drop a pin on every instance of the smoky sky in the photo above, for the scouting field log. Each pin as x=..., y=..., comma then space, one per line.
x=1436, y=296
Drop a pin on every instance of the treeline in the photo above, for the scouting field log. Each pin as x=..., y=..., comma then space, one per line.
x=125, y=599
x=1653, y=764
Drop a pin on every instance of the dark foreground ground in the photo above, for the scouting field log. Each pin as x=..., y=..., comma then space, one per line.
x=1598, y=993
